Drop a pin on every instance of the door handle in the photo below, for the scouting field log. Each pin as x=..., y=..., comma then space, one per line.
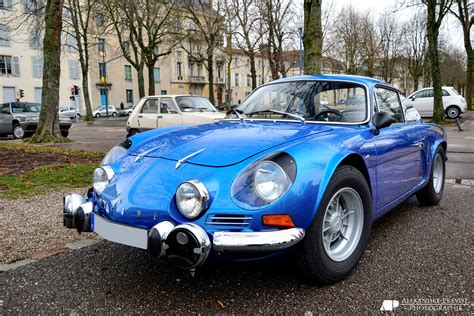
x=140, y=116
x=159, y=116
x=418, y=144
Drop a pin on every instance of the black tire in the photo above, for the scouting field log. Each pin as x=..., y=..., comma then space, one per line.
x=428, y=196
x=312, y=260
x=97, y=115
x=114, y=113
x=453, y=111
x=78, y=116
x=132, y=132
x=64, y=133
x=18, y=132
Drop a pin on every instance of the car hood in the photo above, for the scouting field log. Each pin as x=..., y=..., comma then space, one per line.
x=224, y=143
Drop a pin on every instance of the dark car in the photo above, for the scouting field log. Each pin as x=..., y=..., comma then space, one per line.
x=20, y=119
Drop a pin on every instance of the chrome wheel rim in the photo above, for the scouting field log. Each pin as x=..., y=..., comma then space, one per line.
x=342, y=224
x=438, y=173
x=18, y=132
x=453, y=113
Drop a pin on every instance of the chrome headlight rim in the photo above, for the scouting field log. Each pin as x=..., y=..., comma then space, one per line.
x=283, y=180
x=115, y=153
x=202, y=198
x=100, y=184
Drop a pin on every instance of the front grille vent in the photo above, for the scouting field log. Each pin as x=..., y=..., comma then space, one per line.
x=234, y=220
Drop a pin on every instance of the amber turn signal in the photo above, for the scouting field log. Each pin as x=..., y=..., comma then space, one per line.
x=281, y=220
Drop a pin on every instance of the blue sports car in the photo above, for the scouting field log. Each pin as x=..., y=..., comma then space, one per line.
x=304, y=164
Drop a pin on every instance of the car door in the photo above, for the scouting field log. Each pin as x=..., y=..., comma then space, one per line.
x=5, y=119
x=425, y=103
x=399, y=165
x=168, y=113
x=148, y=116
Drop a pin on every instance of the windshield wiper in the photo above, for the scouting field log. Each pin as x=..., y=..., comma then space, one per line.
x=295, y=116
x=240, y=117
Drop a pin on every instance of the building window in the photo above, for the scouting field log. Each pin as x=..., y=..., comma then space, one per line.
x=157, y=75
x=4, y=35
x=236, y=79
x=38, y=93
x=179, y=71
x=29, y=6
x=126, y=48
x=128, y=73
x=219, y=71
x=101, y=46
x=259, y=63
x=249, y=80
x=35, y=39
x=74, y=72
x=102, y=71
x=236, y=62
x=259, y=81
x=6, y=4
x=71, y=43
x=248, y=62
x=129, y=96
x=9, y=65
x=164, y=92
x=99, y=20
x=37, y=66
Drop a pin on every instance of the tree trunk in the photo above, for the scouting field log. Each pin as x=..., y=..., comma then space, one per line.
x=141, y=81
x=210, y=71
x=416, y=79
x=85, y=93
x=432, y=34
x=253, y=70
x=48, y=124
x=312, y=37
x=470, y=79
x=151, y=78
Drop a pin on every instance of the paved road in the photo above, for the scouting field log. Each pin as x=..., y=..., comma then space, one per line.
x=414, y=253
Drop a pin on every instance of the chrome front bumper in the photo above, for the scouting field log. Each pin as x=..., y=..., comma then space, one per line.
x=78, y=214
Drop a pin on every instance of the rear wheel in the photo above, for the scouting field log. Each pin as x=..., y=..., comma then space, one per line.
x=97, y=115
x=453, y=112
x=114, y=113
x=64, y=133
x=18, y=132
x=340, y=231
x=432, y=193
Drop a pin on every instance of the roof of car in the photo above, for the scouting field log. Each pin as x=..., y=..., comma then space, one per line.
x=173, y=96
x=368, y=81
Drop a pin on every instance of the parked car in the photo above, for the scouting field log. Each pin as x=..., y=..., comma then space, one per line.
x=126, y=111
x=168, y=110
x=454, y=104
x=69, y=111
x=20, y=119
x=225, y=107
x=101, y=111
x=266, y=180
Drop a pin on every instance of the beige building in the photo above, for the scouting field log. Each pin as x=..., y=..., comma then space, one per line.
x=21, y=61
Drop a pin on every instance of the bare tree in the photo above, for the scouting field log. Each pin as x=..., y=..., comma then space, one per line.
x=79, y=26
x=371, y=45
x=313, y=36
x=453, y=66
x=390, y=38
x=414, y=46
x=48, y=125
x=207, y=25
x=465, y=16
x=246, y=35
x=436, y=11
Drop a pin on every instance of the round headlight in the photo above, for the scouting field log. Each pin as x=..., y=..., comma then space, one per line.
x=270, y=181
x=192, y=198
x=113, y=155
x=101, y=178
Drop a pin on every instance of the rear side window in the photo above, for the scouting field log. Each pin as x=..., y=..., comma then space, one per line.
x=445, y=93
x=388, y=101
x=150, y=106
x=167, y=106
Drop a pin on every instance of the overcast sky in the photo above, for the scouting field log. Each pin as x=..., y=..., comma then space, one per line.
x=378, y=7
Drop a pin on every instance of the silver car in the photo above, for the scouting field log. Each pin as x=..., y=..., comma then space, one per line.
x=69, y=111
x=20, y=119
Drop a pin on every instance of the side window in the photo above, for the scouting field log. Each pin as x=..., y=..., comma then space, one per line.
x=429, y=93
x=167, y=106
x=388, y=101
x=421, y=94
x=445, y=93
x=5, y=108
x=150, y=106
x=411, y=114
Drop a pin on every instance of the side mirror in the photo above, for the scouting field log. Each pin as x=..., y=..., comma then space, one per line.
x=382, y=119
x=412, y=98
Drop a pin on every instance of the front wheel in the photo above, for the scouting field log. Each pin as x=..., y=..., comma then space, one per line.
x=114, y=114
x=64, y=133
x=453, y=112
x=339, y=233
x=18, y=132
x=432, y=193
x=97, y=115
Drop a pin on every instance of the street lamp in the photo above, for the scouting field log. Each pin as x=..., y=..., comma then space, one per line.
x=300, y=26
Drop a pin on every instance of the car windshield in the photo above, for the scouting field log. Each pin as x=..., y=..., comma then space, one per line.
x=195, y=104
x=24, y=107
x=324, y=101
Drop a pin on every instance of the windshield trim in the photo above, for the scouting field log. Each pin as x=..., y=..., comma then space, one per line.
x=364, y=122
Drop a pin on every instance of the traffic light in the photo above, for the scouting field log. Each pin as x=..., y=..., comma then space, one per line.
x=22, y=94
x=76, y=90
x=72, y=91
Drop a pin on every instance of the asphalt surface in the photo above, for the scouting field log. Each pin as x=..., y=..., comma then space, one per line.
x=414, y=253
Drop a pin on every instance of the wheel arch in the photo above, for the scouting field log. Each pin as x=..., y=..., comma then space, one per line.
x=15, y=122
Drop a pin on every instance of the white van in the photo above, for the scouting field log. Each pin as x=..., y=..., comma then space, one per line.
x=166, y=110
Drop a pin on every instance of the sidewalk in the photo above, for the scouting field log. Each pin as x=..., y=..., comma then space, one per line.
x=462, y=141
